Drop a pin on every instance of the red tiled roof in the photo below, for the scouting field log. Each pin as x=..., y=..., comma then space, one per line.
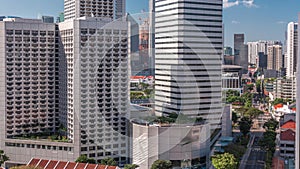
x=33, y=162
x=277, y=163
x=53, y=164
x=91, y=166
x=291, y=124
x=81, y=165
x=288, y=135
x=71, y=165
x=61, y=164
x=280, y=105
x=43, y=163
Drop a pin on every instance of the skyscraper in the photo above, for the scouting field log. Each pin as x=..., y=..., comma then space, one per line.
x=227, y=51
x=240, y=51
x=113, y=9
x=95, y=97
x=297, y=160
x=188, y=54
x=152, y=36
x=292, y=47
x=275, y=57
x=48, y=19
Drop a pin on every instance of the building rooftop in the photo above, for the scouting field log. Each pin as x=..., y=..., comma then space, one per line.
x=54, y=164
x=288, y=135
x=277, y=163
x=291, y=124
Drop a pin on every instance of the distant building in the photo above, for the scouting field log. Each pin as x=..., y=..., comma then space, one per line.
x=275, y=57
x=240, y=51
x=228, y=51
x=61, y=17
x=285, y=88
x=2, y=17
x=231, y=78
x=48, y=19
x=113, y=9
x=228, y=60
x=292, y=47
x=254, y=49
x=263, y=60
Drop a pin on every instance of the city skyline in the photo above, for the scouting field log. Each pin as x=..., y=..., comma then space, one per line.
x=239, y=16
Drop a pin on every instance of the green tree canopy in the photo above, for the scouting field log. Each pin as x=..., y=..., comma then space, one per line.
x=245, y=125
x=271, y=124
x=3, y=157
x=161, y=164
x=85, y=159
x=237, y=150
x=109, y=161
x=225, y=161
x=253, y=112
x=131, y=166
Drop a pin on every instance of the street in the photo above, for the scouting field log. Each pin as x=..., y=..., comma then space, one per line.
x=255, y=157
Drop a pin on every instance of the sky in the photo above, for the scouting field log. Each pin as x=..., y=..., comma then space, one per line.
x=258, y=19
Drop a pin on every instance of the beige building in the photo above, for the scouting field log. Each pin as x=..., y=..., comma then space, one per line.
x=275, y=57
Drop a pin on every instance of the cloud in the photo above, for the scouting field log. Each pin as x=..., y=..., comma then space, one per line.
x=227, y=4
x=249, y=4
x=246, y=3
x=235, y=22
x=281, y=22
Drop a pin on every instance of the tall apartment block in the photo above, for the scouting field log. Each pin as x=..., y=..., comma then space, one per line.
x=188, y=58
x=297, y=150
x=292, y=47
x=113, y=9
x=275, y=57
x=28, y=71
x=96, y=98
x=29, y=84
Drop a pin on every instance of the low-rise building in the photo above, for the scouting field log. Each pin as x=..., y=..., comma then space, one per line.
x=287, y=144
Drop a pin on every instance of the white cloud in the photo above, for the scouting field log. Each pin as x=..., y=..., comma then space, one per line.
x=281, y=22
x=249, y=4
x=246, y=3
x=235, y=22
x=227, y=4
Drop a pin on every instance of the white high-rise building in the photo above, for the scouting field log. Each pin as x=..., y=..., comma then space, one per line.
x=28, y=85
x=28, y=76
x=96, y=99
x=254, y=48
x=297, y=160
x=113, y=9
x=292, y=47
x=188, y=58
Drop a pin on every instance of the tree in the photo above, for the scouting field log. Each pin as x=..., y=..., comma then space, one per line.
x=271, y=124
x=109, y=161
x=161, y=164
x=225, y=161
x=3, y=157
x=245, y=125
x=253, y=112
x=131, y=166
x=85, y=159
x=268, y=141
x=237, y=150
x=234, y=117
